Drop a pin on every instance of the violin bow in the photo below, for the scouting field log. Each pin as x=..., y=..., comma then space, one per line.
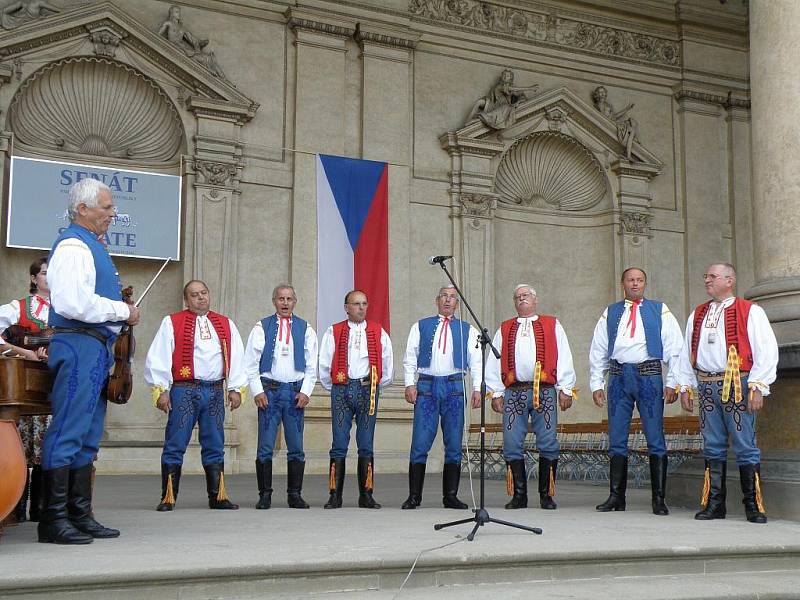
x=149, y=285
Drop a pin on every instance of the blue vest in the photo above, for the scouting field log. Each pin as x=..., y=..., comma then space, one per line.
x=650, y=315
x=427, y=329
x=106, y=283
x=270, y=325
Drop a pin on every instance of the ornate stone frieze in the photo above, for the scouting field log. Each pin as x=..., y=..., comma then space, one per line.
x=385, y=39
x=636, y=223
x=548, y=29
x=477, y=205
x=217, y=174
x=302, y=21
x=725, y=101
x=19, y=12
x=548, y=170
x=96, y=106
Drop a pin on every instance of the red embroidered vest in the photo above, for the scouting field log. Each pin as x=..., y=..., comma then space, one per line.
x=544, y=333
x=735, y=330
x=341, y=337
x=183, y=326
x=26, y=317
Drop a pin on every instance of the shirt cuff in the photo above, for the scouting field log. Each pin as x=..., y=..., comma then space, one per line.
x=761, y=386
x=307, y=388
x=256, y=388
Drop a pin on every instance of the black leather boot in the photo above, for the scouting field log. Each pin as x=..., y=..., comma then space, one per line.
x=20, y=510
x=54, y=526
x=170, y=484
x=416, y=479
x=336, y=483
x=658, y=483
x=215, y=485
x=618, y=484
x=547, y=475
x=79, y=504
x=451, y=474
x=36, y=499
x=365, y=486
x=715, y=491
x=264, y=478
x=750, y=478
x=520, y=498
x=294, y=470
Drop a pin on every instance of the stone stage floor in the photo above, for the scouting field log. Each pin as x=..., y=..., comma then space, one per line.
x=355, y=553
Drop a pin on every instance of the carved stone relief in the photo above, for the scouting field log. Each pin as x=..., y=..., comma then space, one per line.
x=19, y=12
x=498, y=108
x=546, y=28
x=193, y=46
x=477, y=205
x=548, y=170
x=635, y=223
x=96, y=106
x=627, y=126
x=215, y=173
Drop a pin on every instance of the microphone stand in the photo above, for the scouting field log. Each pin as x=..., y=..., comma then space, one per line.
x=481, y=516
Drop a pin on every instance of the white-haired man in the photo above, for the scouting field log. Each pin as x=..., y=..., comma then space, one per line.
x=87, y=312
x=533, y=376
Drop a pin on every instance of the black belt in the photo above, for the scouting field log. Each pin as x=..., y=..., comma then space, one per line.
x=453, y=377
x=648, y=367
x=85, y=331
x=521, y=385
x=274, y=384
x=365, y=381
x=197, y=382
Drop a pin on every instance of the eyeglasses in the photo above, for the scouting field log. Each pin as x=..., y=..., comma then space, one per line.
x=523, y=296
x=714, y=276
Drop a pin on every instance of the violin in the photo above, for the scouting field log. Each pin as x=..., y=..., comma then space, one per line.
x=24, y=338
x=120, y=383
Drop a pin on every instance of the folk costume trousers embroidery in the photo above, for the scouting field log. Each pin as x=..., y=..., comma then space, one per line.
x=646, y=392
x=518, y=410
x=281, y=408
x=721, y=420
x=438, y=398
x=201, y=403
x=348, y=402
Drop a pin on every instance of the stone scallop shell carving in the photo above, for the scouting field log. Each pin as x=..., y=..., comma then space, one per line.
x=550, y=170
x=97, y=107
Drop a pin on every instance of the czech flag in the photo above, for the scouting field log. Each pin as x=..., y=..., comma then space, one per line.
x=352, y=237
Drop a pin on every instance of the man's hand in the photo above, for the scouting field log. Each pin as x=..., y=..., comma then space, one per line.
x=234, y=399
x=133, y=319
x=261, y=400
x=686, y=401
x=497, y=404
x=302, y=400
x=41, y=353
x=564, y=401
x=476, y=399
x=599, y=397
x=670, y=395
x=163, y=402
x=411, y=394
x=756, y=401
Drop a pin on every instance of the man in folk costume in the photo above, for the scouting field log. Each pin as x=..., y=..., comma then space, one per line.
x=438, y=352
x=533, y=376
x=631, y=340
x=281, y=366
x=87, y=311
x=355, y=363
x=195, y=356
x=731, y=359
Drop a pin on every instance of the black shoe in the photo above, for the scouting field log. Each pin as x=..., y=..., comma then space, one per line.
x=451, y=474
x=54, y=525
x=336, y=483
x=715, y=491
x=215, y=486
x=548, y=469
x=618, y=484
x=658, y=483
x=365, y=482
x=170, y=484
x=416, y=479
x=520, y=484
x=79, y=504
x=294, y=477
x=750, y=478
x=36, y=499
x=264, y=478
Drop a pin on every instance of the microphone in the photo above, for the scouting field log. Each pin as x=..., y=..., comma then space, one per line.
x=435, y=260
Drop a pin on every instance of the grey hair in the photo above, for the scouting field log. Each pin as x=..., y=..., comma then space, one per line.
x=445, y=287
x=86, y=191
x=283, y=286
x=728, y=267
x=523, y=285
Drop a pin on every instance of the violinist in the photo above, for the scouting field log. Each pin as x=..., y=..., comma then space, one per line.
x=87, y=313
x=17, y=318
x=196, y=357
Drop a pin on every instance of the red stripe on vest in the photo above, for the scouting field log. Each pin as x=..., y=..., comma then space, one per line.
x=544, y=332
x=25, y=308
x=736, y=316
x=339, y=361
x=183, y=326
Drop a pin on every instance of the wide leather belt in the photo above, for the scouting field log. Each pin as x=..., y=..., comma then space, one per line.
x=648, y=367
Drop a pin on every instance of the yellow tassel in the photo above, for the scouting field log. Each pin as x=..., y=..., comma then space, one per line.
x=509, y=481
x=759, y=497
x=537, y=375
x=221, y=495
x=169, y=497
x=732, y=376
x=368, y=484
x=155, y=394
x=574, y=394
x=373, y=388
x=552, y=488
x=706, y=488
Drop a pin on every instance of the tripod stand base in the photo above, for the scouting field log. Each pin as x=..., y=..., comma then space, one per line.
x=480, y=519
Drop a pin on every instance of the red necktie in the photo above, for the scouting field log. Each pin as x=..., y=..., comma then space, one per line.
x=634, y=306
x=443, y=335
x=284, y=327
